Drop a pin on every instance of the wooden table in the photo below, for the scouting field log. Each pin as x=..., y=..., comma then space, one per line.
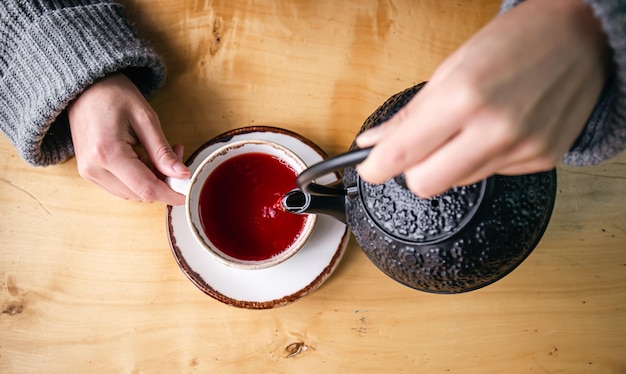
x=88, y=282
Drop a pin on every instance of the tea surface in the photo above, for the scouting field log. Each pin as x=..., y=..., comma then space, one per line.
x=239, y=209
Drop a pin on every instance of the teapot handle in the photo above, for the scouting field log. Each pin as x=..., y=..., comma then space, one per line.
x=306, y=178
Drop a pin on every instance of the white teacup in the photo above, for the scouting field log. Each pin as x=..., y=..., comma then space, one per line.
x=229, y=204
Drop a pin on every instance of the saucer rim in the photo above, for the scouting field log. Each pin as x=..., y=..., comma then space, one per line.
x=202, y=284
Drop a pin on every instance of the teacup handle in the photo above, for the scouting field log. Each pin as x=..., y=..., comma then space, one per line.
x=182, y=186
x=306, y=178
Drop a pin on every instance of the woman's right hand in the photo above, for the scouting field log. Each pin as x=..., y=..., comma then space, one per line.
x=511, y=100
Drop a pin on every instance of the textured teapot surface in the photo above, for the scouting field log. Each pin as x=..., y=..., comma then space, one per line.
x=406, y=217
x=461, y=240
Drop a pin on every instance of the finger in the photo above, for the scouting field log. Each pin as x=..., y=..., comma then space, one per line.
x=145, y=158
x=375, y=134
x=143, y=182
x=117, y=188
x=418, y=129
x=516, y=168
x=179, y=150
x=528, y=167
x=107, y=181
x=473, y=154
x=530, y=158
x=148, y=130
x=532, y=154
x=475, y=176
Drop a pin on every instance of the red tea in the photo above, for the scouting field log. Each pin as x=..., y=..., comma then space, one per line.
x=239, y=211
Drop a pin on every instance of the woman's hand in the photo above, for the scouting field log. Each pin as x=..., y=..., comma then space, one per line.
x=108, y=121
x=511, y=100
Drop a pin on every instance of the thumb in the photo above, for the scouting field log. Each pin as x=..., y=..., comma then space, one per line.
x=161, y=154
x=168, y=160
x=179, y=150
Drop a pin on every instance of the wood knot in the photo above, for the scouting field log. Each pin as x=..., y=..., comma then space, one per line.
x=218, y=33
x=13, y=300
x=295, y=349
x=13, y=309
x=554, y=351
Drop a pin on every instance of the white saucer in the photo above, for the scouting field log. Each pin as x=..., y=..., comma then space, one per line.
x=264, y=288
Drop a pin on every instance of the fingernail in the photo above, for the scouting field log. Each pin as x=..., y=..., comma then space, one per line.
x=370, y=137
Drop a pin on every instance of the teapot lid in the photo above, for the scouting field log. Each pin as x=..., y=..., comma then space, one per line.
x=409, y=218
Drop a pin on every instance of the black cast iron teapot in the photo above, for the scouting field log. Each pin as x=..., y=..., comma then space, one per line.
x=461, y=240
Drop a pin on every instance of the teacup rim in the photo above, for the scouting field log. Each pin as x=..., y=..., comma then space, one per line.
x=206, y=243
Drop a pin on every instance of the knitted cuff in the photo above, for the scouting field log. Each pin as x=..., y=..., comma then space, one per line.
x=58, y=56
x=605, y=134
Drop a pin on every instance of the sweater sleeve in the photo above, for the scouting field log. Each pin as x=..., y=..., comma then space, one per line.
x=51, y=51
x=604, y=136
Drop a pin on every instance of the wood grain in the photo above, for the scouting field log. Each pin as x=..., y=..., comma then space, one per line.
x=88, y=282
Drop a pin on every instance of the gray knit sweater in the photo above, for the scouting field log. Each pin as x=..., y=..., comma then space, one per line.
x=50, y=51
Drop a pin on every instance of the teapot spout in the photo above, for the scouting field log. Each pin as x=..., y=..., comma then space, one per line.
x=298, y=202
